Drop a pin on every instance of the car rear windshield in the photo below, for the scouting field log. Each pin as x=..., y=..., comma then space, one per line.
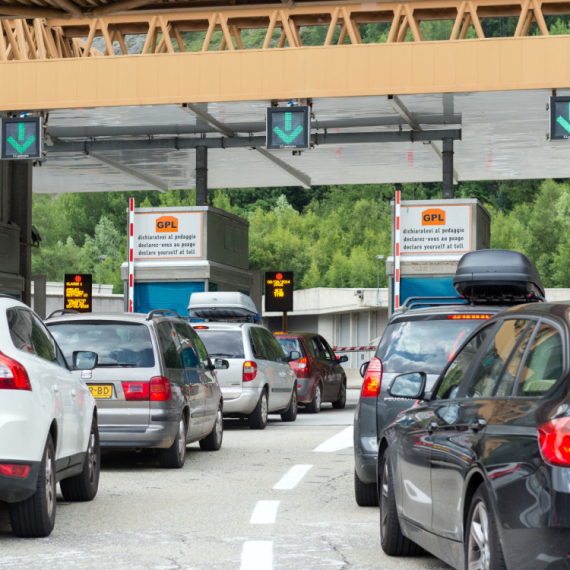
x=223, y=344
x=117, y=344
x=290, y=344
x=423, y=346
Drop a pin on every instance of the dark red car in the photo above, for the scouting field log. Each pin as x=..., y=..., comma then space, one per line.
x=320, y=376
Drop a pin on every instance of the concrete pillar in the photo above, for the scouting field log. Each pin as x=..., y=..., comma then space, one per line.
x=40, y=295
x=447, y=155
x=201, y=176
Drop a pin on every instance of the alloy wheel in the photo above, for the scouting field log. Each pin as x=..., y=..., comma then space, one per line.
x=384, y=500
x=219, y=426
x=50, y=484
x=479, y=548
x=318, y=398
x=181, y=439
x=92, y=457
x=264, y=407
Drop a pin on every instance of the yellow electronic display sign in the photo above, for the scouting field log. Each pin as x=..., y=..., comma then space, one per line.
x=78, y=292
x=279, y=291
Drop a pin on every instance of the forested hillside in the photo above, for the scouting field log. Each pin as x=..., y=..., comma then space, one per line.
x=328, y=235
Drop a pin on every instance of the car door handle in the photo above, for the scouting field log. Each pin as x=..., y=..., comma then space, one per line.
x=477, y=424
x=74, y=393
x=283, y=374
x=432, y=427
x=55, y=388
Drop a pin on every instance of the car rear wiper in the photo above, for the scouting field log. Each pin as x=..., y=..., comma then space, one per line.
x=116, y=365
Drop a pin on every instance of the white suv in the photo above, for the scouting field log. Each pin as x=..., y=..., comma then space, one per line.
x=48, y=423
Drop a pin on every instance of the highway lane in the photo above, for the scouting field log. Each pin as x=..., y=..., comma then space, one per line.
x=280, y=498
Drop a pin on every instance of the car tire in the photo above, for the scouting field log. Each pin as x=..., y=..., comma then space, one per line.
x=83, y=487
x=35, y=517
x=366, y=493
x=291, y=414
x=258, y=418
x=393, y=542
x=482, y=543
x=340, y=404
x=314, y=406
x=213, y=442
x=175, y=456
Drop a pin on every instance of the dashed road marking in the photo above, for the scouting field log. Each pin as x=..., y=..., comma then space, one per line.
x=265, y=512
x=293, y=477
x=257, y=555
x=341, y=440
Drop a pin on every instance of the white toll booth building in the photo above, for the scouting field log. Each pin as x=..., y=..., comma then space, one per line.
x=179, y=251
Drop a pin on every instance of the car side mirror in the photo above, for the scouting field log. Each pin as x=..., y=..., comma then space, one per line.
x=342, y=359
x=411, y=385
x=363, y=368
x=85, y=360
x=221, y=364
x=294, y=355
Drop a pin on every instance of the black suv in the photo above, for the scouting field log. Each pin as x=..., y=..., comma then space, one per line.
x=424, y=335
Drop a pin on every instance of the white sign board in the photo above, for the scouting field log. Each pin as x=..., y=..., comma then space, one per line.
x=435, y=229
x=168, y=235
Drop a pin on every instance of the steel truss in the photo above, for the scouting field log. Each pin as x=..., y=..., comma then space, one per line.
x=38, y=31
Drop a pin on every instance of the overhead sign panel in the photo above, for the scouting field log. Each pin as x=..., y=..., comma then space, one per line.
x=288, y=128
x=279, y=291
x=21, y=138
x=435, y=229
x=78, y=292
x=168, y=235
x=559, y=118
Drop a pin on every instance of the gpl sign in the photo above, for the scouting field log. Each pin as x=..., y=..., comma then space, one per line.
x=21, y=138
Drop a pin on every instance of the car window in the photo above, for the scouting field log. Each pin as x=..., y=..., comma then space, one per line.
x=455, y=373
x=20, y=325
x=274, y=350
x=484, y=382
x=116, y=343
x=543, y=364
x=202, y=352
x=328, y=350
x=319, y=349
x=289, y=344
x=168, y=346
x=427, y=346
x=257, y=344
x=44, y=345
x=188, y=351
x=312, y=346
x=223, y=344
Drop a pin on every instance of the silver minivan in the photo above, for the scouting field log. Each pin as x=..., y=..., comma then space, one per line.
x=154, y=382
x=259, y=380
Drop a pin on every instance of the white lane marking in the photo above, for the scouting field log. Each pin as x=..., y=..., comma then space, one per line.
x=265, y=512
x=337, y=442
x=257, y=555
x=293, y=477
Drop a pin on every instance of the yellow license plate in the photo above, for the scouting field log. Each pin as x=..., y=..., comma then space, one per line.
x=101, y=391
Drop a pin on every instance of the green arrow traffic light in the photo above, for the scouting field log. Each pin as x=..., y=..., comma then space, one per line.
x=23, y=145
x=289, y=138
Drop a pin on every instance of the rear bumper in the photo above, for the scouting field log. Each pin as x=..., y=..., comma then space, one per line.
x=305, y=390
x=244, y=404
x=365, y=440
x=14, y=490
x=157, y=434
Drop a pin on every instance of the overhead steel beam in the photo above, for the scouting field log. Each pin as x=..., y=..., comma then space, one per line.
x=89, y=131
x=204, y=116
x=182, y=143
x=404, y=112
x=149, y=179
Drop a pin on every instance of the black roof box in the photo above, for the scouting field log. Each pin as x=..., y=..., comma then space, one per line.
x=499, y=274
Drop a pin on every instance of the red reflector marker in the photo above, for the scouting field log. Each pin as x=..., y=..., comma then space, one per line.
x=467, y=317
x=372, y=379
x=554, y=438
x=11, y=470
x=160, y=390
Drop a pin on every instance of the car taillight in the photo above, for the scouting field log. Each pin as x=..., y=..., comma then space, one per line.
x=303, y=363
x=249, y=371
x=136, y=390
x=160, y=390
x=12, y=470
x=372, y=379
x=13, y=376
x=554, y=438
x=200, y=328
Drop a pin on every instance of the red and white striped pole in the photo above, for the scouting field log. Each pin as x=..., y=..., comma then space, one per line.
x=131, y=258
x=397, y=254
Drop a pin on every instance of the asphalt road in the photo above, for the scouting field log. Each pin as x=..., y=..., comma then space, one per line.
x=280, y=498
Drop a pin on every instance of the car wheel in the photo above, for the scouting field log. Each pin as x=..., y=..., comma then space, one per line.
x=83, y=487
x=258, y=418
x=214, y=440
x=314, y=406
x=175, y=455
x=393, y=542
x=35, y=517
x=482, y=545
x=291, y=414
x=366, y=493
x=341, y=402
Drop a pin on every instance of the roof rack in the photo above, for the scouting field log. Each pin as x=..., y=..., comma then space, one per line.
x=62, y=312
x=163, y=312
x=414, y=302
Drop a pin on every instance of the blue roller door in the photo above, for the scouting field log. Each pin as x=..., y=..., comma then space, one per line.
x=170, y=295
x=425, y=287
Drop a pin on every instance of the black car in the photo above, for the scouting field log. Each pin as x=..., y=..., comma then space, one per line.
x=424, y=335
x=479, y=473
